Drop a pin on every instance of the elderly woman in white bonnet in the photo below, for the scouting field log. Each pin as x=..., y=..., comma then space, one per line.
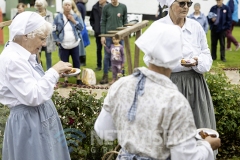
x=145, y=111
x=33, y=123
x=189, y=77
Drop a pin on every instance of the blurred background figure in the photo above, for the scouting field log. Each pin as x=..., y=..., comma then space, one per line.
x=114, y=15
x=82, y=9
x=95, y=19
x=66, y=30
x=161, y=12
x=82, y=51
x=200, y=17
x=41, y=6
x=233, y=5
x=218, y=26
x=21, y=8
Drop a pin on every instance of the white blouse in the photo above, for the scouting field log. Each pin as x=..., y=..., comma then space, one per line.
x=164, y=123
x=194, y=45
x=19, y=82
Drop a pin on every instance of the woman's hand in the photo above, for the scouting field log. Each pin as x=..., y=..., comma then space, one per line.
x=71, y=18
x=196, y=59
x=214, y=19
x=62, y=67
x=214, y=142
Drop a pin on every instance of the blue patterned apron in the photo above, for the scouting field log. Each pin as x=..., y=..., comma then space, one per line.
x=31, y=132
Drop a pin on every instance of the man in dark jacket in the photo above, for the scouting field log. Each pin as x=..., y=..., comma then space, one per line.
x=95, y=19
x=218, y=26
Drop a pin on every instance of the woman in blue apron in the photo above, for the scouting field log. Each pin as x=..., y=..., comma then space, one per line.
x=33, y=127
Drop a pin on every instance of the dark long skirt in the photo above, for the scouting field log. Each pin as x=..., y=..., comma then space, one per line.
x=194, y=87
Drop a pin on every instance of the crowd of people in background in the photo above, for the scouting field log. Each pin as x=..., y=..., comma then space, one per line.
x=104, y=16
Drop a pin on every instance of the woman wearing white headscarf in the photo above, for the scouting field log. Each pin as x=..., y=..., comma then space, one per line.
x=145, y=111
x=190, y=79
x=33, y=128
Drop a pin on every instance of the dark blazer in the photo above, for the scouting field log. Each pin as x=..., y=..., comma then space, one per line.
x=95, y=19
x=225, y=21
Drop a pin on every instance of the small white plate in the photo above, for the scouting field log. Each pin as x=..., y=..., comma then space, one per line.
x=72, y=74
x=189, y=62
x=208, y=130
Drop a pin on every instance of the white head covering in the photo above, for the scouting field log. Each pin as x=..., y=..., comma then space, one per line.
x=162, y=45
x=25, y=23
x=166, y=2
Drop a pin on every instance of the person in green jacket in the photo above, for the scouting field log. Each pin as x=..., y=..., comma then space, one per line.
x=114, y=15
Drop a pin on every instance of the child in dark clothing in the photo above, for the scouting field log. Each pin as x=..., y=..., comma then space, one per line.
x=117, y=58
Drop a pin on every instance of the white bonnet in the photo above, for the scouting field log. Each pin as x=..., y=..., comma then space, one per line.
x=161, y=44
x=25, y=23
x=166, y=2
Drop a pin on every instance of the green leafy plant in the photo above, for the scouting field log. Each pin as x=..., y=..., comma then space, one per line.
x=4, y=112
x=226, y=101
x=79, y=112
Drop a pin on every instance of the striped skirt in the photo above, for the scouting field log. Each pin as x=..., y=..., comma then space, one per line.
x=194, y=87
x=34, y=133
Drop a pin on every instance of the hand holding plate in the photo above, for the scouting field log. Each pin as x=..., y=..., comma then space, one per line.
x=214, y=142
x=62, y=67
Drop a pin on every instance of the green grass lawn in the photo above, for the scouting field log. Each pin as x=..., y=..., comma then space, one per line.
x=233, y=57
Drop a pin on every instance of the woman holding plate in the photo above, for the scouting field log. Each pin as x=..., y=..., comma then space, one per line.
x=33, y=124
x=189, y=76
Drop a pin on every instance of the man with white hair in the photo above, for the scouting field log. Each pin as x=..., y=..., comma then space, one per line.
x=145, y=111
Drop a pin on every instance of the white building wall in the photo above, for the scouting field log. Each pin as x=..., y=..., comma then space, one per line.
x=150, y=7
x=3, y=6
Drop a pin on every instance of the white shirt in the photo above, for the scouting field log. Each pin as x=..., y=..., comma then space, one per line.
x=194, y=45
x=163, y=125
x=69, y=40
x=19, y=82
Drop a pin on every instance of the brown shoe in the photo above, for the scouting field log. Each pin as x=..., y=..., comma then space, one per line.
x=114, y=80
x=104, y=79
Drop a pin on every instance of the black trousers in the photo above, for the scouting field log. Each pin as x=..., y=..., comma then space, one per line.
x=215, y=36
x=99, y=52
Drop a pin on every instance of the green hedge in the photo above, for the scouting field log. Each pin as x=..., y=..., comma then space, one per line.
x=79, y=111
x=226, y=101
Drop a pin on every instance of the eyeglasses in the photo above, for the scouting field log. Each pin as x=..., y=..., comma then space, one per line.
x=182, y=4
